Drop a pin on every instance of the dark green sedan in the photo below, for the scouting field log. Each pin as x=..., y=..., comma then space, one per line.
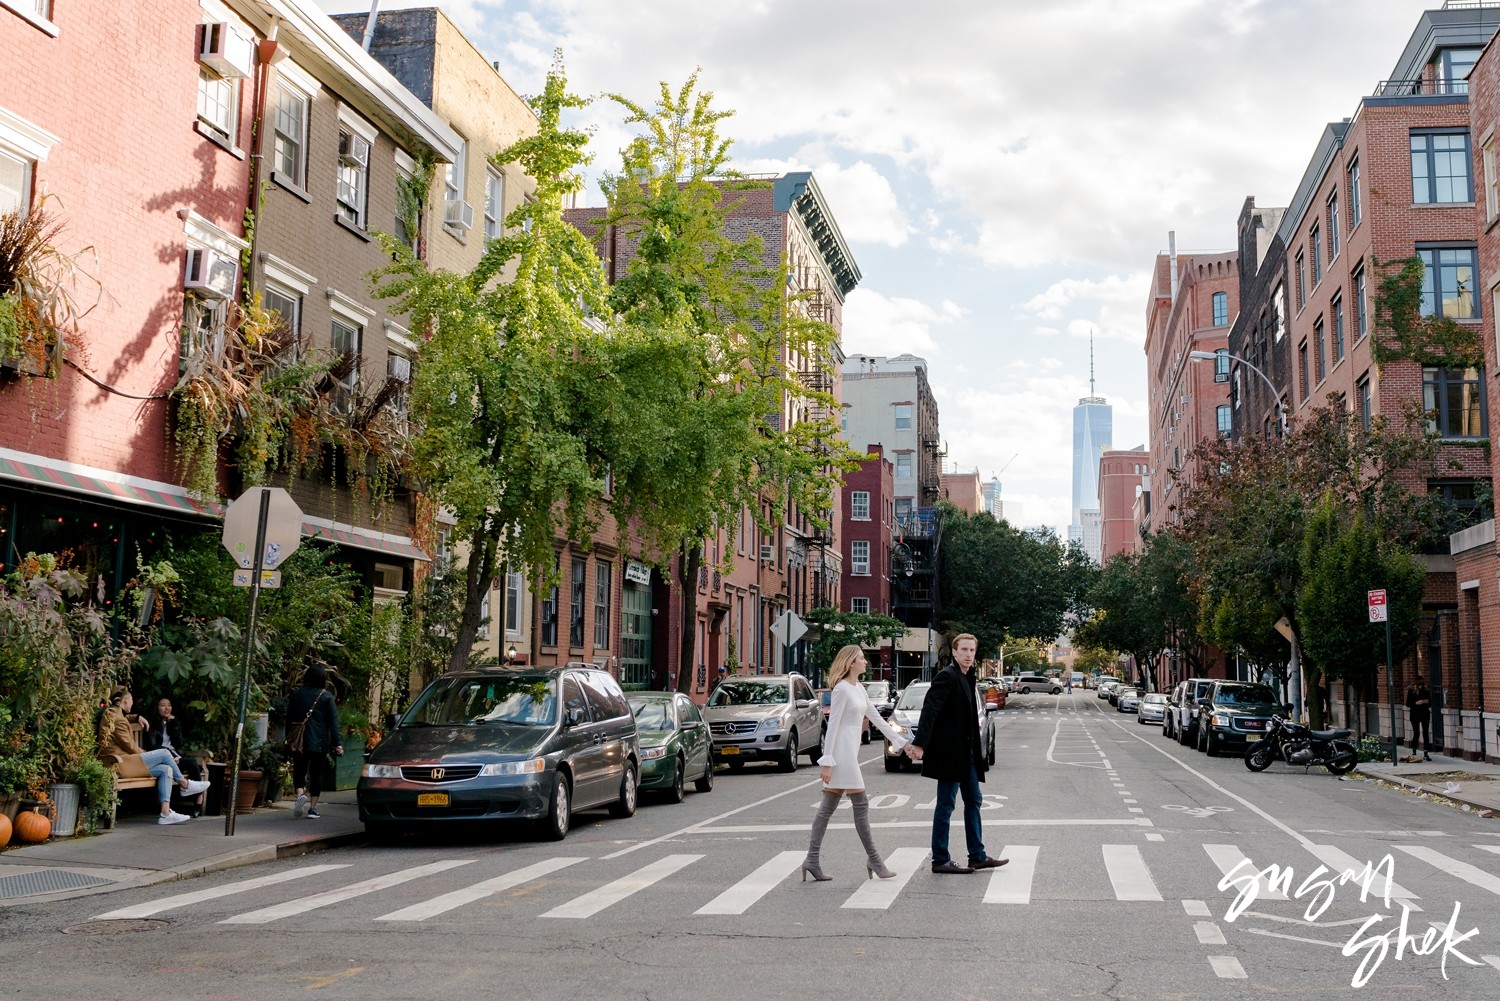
x=675, y=745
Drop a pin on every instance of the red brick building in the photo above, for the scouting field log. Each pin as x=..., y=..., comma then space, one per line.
x=1122, y=477
x=865, y=536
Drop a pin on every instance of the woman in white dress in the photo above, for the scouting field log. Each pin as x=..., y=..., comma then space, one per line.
x=848, y=709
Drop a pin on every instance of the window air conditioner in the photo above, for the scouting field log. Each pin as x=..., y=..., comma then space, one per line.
x=768, y=554
x=353, y=151
x=210, y=273
x=226, y=50
x=398, y=367
x=457, y=213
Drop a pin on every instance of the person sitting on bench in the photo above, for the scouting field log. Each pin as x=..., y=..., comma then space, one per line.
x=163, y=731
x=117, y=737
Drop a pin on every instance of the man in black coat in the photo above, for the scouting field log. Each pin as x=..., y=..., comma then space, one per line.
x=948, y=746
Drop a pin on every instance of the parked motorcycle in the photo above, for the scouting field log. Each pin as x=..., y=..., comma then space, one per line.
x=1297, y=744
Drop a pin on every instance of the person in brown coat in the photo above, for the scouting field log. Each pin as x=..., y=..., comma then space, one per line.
x=117, y=736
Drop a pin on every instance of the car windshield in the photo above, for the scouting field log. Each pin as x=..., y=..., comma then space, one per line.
x=1155, y=697
x=912, y=697
x=652, y=714
x=878, y=690
x=749, y=693
x=522, y=700
x=1244, y=695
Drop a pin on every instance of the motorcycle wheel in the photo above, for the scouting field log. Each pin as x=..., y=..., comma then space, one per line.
x=1343, y=764
x=1258, y=756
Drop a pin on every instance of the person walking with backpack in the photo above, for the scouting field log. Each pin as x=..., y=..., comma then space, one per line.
x=312, y=736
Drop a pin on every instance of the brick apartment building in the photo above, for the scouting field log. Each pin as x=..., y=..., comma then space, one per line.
x=1122, y=478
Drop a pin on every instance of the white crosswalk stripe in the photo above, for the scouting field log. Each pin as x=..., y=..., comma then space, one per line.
x=1470, y=874
x=304, y=904
x=594, y=901
x=469, y=894
x=738, y=898
x=1128, y=873
x=1229, y=857
x=879, y=894
x=1341, y=861
x=198, y=896
x=1011, y=884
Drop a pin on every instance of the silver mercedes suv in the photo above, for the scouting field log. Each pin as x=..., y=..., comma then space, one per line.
x=773, y=717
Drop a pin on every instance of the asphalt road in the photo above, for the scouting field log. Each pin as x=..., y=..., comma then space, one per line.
x=1118, y=838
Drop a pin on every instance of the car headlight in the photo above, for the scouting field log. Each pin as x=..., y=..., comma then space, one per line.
x=1219, y=720
x=380, y=771
x=530, y=766
x=771, y=723
x=652, y=753
x=900, y=729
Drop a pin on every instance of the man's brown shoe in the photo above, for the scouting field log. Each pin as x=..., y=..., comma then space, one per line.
x=988, y=863
x=950, y=867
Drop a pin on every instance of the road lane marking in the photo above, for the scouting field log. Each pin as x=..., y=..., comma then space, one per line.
x=1209, y=933
x=738, y=898
x=197, y=896
x=1154, y=837
x=469, y=894
x=1296, y=938
x=1011, y=884
x=304, y=904
x=1228, y=857
x=879, y=894
x=591, y=903
x=1196, y=908
x=1473, y=875
x=1341, y=861
x=955, y=822
x=1227, y=968
x=1128, y=873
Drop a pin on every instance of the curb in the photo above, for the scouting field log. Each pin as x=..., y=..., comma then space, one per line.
x=1482, y=810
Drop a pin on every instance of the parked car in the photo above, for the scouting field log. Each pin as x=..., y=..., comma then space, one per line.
x=1182, y=714
x=1153, y=708
x=1008, y=682
x=882, y=696
x=992, y=694
x=1105, y=687
x=909, y=713
x=1128, y=700
x=1025, y=684
x=1114, y=693
x=675, y=745
x=1233, y=713
x=499, y=744
x=774, y=717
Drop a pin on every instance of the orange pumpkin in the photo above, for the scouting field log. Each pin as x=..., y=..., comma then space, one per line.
x=32, y=826
x=4, y=830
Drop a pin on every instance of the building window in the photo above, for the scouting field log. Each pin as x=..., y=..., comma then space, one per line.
x=903, y=464
x=859, y=558
x=1226, y=419
x=1278, y=308
x=1491, y=181
x=603, y=583
x=1320, y=357
x=1336, y=308
x=1448, y=288
x=549, y=609
x=1454, y=401
x=1366, y=401
x=15, y=183
x=409, y=206
x=287, y=308
x=859, y=505
x=483, y=632
x=514, y=592
x=354, y=176
x=859, y=606
x=1452, y=66
x=1315, y=251
x=576, y=595
x=1302, y=368
x=1462, y=498
x=1440, y=172
x=345, y=340
x=204, y=322
x=1301, y=279
x=1356, y=202
x=289, y=154
x=1333, y=226
x=218, y=103
x=903, y=417
x=1234, y=390
x=1221, y=365
x=1361, y=309
x=494, y=204
x=1221, y=309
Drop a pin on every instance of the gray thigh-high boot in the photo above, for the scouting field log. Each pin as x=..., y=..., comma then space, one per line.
x=873, y=863
x=812, y=865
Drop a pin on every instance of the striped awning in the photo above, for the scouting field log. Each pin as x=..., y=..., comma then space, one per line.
x=363, y=538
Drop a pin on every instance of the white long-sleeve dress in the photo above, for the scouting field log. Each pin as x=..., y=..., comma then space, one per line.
x=847, y=709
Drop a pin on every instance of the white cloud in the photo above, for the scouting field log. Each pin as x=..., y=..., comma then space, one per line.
x=877, y=325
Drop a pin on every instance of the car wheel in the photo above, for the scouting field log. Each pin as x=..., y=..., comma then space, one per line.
x=706, y=783
x=677, y=794
x=625, y=805
x=1057, y=691
x=1182, y=735
x=1209, y=747
x=736, y=765
x=1025, y=691
x=559, y=811
x=789, y=758
x=990, y=758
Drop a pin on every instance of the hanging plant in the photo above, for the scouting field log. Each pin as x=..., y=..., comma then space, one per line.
x=39, y=305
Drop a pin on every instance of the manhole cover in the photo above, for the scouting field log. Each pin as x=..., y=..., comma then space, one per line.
x=29, y=884
x=122, y=927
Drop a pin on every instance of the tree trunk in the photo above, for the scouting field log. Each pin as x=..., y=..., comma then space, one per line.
x=688, y=565
x=479, y=577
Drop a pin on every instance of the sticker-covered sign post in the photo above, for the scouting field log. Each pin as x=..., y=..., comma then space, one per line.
x=1380, y=612
x=261, y=529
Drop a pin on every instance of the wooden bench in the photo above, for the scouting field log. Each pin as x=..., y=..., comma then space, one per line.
x=136, y=777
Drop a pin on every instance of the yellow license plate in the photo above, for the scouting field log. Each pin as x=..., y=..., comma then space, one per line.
x=432, y=799
x=729, y=750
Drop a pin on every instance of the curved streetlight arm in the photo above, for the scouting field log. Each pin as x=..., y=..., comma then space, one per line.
x=1275, y=393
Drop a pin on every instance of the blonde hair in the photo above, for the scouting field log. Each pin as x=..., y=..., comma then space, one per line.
x=964, y=636
x=843, y=664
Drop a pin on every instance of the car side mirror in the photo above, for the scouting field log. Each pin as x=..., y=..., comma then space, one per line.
x=804, y=703
x=391, y=719
x=1202, y=703
x=573, y=717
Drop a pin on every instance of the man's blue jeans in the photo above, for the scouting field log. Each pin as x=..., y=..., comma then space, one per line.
x=161, y=764
x=947, y=793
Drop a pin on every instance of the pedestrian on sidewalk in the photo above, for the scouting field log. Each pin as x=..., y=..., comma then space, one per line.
x=116, y=736
x=1419, y=704
x=947, y=745
x=848, y=709
x=314, y=735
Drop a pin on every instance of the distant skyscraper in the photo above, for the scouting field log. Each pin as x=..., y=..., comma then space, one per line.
x=1093, y=427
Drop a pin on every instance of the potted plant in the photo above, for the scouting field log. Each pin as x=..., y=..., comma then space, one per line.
x=273, y=760
x=96, y=785
x=38, y=305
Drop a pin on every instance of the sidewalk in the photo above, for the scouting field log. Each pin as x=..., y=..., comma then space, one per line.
x=139, y=852
x=1474, y=784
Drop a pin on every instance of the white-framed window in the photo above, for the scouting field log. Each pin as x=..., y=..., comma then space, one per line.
x=455, y=177
x=494, y=203
x=287, y=305
x=218, y=103
x=484, y=617
x=859, y=558
x=293, y=108
x=356, y=139
x=514, y=591
x=603, y=582
x=859, y=505
x=860, y=606
x=1491, y=181
x=903, y=416
x=15, y=182
x=22, y=146
x=203, y=325
x=398, y=372
x=903, y=464
x=409, y=207
x=345, y=340
x=38, y=12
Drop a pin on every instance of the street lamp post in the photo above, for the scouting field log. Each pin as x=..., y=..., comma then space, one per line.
x=1275, y=395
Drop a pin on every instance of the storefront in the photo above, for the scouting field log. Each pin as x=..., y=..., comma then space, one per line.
x=636, y=628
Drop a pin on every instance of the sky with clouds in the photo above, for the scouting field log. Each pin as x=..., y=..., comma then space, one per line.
x=1005, y=171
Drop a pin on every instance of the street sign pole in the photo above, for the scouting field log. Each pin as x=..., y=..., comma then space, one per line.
x=239, y=730
x=1390, y=674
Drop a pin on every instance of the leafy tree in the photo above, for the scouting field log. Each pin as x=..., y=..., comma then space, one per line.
x=837, y=629
x=1127, y=615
